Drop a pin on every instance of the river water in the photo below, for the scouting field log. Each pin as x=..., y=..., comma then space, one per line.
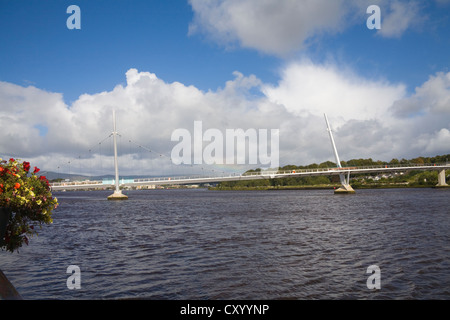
x=201, y=244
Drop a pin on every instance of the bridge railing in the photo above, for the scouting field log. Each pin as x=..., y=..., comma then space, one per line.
x=76, y=183
x=334, y=169
x=175, y=178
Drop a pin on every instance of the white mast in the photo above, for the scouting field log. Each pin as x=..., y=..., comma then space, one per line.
x=116, y=165
x=332, y=142
x=346, y=188
x=117, y=195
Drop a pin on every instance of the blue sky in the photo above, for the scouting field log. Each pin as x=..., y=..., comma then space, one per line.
x=300, y=59
x=38, y=49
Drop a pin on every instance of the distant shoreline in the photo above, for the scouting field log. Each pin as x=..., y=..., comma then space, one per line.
x=319, y=187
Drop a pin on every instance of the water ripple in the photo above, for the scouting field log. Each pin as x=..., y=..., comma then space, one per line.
x=199, y=244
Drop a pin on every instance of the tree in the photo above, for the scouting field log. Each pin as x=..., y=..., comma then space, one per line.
x=394, y=161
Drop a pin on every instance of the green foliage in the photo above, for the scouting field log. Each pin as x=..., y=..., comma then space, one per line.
x=28, y=200
x=411, y=178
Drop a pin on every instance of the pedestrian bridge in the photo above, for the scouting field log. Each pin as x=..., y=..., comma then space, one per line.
x=186, y=180
x=343, y=172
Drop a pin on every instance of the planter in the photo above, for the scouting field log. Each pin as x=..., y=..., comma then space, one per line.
x=4, y=218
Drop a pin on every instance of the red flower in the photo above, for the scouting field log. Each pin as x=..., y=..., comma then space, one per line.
x=44, y=179
x=26, y=166
x=36, y=170
x=11, y=159
x=17, y=186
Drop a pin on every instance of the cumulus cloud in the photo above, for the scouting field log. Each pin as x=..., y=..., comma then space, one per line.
x=23, y=111
x=424, y=117
x=399, y=17
x=148, y=111
x=275, y=27
x=432, y=97
x=370, y=119
x=308, y=88
x=282, y=27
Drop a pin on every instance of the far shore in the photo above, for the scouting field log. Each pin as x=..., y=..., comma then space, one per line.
x=320, y=187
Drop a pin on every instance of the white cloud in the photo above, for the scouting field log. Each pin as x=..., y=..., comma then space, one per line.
x=370, y=118
x=423, y=118
x=435, y=142
x=432, y=97
x=23, y=110
x=275, y=27
x=308, y=88
x=282, y=27
x=148, y=111
x=397, y=17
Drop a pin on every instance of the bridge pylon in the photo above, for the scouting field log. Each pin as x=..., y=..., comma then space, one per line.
x=345, y=187
x=117, y=195
x=441, y=180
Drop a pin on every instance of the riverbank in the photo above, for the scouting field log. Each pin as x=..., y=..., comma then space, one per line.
x=318, y=187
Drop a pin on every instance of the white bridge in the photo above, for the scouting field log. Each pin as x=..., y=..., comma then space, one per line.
x=78, y=185
x=343, y=172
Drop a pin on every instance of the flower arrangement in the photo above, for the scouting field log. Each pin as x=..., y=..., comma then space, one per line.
x=28, y=199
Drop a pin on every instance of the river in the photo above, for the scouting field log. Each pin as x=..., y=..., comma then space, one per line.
x=201, y=244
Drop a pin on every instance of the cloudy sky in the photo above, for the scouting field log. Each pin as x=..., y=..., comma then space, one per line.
x=250, y=64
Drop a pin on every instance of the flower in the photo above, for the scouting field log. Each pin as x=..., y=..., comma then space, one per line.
x=26, y=166
x=29, y=200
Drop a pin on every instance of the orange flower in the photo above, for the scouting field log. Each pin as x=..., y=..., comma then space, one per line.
x=17, y=186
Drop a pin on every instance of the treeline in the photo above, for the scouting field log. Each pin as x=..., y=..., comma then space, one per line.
x=366, y=162
x=413, y=178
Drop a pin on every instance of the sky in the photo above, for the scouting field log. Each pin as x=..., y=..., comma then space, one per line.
x=250, y=64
